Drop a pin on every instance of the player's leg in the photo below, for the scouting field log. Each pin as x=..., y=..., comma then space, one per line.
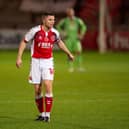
x=78, y=55
x=35, y=79
x=78, y=59
x=69, y=45
x=48, y=98
x=39, y=101
x=48, y=76
x=70, y=65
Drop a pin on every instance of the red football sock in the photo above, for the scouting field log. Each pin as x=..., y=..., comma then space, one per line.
x=39, y=103
x=48, y=103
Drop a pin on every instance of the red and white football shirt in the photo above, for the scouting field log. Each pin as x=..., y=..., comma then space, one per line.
x=43, y=42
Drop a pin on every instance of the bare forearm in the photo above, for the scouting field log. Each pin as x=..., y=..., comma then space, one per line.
x=20, y=53
x=21, y=49
x=65, y=49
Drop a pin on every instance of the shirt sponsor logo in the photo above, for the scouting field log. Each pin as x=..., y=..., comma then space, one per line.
x=45, y=45
x=40, y=37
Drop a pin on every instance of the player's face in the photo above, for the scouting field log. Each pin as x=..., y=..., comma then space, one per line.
x=70, y=12
x=49, y=21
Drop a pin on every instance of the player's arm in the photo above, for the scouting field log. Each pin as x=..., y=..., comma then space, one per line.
x=60, y=26
x=29, y=36
x=21, y=49
x=65, y=49
x=83, y=28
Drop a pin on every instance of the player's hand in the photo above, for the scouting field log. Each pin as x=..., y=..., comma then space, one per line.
x=71, y=57
x=18, y=63
x=80, y=37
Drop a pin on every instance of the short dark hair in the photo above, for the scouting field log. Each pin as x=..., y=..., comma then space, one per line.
x=47, y=14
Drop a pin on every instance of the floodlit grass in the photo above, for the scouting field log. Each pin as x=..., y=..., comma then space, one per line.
x=95, y=99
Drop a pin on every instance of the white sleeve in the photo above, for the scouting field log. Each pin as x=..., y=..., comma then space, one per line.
x=29, y=35
x=57, y=35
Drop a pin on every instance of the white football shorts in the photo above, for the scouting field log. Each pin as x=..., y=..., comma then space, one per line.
x=41, y=69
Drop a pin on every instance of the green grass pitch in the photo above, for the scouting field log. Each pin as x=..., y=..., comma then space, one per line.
x=95, y=99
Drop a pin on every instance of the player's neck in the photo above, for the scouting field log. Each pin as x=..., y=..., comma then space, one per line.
x=45, y=28
x=71, y=17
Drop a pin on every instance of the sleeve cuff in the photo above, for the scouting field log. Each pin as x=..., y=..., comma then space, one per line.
x=25, y=41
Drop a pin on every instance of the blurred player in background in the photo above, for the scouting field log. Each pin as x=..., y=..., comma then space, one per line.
x=43, y=38
x=72, y=30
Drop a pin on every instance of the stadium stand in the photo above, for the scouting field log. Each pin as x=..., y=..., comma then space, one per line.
x=44, y=5
x=23, y=14
x=118, y=12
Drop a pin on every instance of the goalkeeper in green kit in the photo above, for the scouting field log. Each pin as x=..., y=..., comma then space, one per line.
x=73, y=30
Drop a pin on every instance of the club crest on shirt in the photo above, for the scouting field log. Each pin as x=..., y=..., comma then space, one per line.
x=53, y=38
x=40, y=37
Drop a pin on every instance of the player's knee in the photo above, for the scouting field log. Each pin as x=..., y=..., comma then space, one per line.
x=38, y=93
